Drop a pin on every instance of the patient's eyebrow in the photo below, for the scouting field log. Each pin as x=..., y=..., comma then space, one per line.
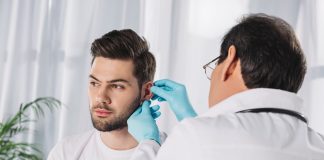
x=111, y=81
x=119, y=80
x=93, y=77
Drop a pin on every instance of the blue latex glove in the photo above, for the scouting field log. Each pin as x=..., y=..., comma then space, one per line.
x=176, y=95
x=155, y=111
x=142, y=125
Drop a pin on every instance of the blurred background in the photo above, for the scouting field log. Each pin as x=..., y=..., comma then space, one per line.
x=45, y=51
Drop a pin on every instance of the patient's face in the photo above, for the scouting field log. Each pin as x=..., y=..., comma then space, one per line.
x=114, y=93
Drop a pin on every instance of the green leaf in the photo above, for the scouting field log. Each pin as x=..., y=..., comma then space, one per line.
x=16, y=124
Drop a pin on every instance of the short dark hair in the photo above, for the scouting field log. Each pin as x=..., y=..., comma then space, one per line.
x=126, y=45
x=270, y=54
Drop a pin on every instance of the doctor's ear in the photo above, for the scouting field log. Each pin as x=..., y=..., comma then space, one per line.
x=146, y=93
x=230, y=63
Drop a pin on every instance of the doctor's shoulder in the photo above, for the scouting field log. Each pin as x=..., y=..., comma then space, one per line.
x=268, y=131
x=223, y=129
x=71, y=146
x=221, y=126
x=229, y=127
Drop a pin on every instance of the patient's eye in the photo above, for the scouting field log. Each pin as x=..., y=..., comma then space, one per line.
x=117, y=86
x=94, y=84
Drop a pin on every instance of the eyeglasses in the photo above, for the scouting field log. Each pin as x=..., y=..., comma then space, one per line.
x=208, y=69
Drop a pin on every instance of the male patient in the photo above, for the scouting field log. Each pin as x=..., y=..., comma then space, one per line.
x=122, y=71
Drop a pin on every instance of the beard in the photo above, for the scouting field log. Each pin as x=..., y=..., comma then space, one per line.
x=116, y=121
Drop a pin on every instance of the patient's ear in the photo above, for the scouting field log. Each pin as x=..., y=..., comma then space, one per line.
x=146, y=93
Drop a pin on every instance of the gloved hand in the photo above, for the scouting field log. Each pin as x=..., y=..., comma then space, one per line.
x=142, y=125
x=176, y=95
x=155, y=111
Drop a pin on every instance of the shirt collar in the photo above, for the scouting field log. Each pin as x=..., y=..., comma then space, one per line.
x=257, y=98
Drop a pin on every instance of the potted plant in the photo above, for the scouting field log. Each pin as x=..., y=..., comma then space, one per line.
x=16, y=124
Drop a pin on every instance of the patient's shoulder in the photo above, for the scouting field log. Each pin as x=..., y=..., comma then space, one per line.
x=71, y=146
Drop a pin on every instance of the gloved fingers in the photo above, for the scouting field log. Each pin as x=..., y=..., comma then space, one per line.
x=140, y=108
x=160, y=92
x=160, y=99
x=146, y=103
x=137, y=111
x=155, y=111
x=156, y=115
x=167, y=82
x=154, y=97
x=166, y=88
x=146, y=107
x=154, y=108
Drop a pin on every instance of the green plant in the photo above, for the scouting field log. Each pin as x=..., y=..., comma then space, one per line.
x=16, y=124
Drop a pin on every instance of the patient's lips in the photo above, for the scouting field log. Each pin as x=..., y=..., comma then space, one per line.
x=102, y=112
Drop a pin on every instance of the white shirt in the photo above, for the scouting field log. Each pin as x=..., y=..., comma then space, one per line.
x=89, y=146
x=223, y=134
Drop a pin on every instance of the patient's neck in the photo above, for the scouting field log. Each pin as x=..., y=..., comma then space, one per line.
x=118, y=139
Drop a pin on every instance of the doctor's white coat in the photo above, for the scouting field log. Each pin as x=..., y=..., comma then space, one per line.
x=223, y=134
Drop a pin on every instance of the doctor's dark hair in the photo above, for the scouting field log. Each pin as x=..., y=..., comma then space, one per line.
x=270, y=54
x=126, y=45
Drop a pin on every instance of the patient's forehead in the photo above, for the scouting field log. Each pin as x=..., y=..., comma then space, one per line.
x=106, y=69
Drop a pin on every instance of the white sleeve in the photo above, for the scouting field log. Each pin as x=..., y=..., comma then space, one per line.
x=178, y=145
x=181, y=143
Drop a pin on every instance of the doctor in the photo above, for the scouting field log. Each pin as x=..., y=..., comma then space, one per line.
x=254, y=110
